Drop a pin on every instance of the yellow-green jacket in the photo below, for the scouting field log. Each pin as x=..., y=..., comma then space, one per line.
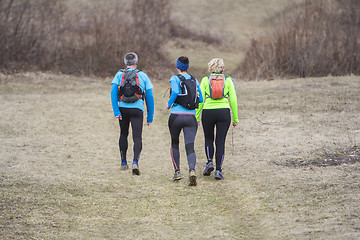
x=229, y=93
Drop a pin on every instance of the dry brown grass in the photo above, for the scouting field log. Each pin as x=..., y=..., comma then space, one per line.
x=60, y=176
x=89, y=39
x=316, y=38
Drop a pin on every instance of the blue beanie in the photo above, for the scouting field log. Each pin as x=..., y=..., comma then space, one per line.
x=181, y=66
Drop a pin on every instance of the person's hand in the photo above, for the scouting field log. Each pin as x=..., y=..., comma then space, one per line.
x=198, y=124
x=235, y=124
x=148, y=123
x=167, y=107
x=119, y=117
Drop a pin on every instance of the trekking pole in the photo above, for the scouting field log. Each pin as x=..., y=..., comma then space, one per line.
x=168, y=89
x=232, y=141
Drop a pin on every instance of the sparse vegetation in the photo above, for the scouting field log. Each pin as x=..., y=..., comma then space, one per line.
x=315, y=38
x=45, y=35
x=291, y=167
x=60, y=172
x=324, y=158
x=92, y=40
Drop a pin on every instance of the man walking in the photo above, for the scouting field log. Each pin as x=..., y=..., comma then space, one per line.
x=130, y=87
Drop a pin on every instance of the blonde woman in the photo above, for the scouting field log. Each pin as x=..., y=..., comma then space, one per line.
x=218, y=91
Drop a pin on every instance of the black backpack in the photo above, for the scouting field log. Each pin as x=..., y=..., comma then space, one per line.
x=129, y=89
x=189, y=97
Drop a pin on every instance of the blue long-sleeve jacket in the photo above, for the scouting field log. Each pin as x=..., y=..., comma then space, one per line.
x=145, y=85
x=175, y=90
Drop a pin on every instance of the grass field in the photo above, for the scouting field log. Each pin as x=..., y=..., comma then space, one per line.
x=292, y=165
x=234, y=22
x=60, y=170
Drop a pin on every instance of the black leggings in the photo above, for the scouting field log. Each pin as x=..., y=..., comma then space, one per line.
x=189, y=125
x=221, y=119
x=135, y=117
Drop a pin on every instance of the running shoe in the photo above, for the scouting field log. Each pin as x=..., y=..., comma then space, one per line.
x=135, y=169
x=177, y=176
x=208, y=169
x=192, y=178
x=218, y=175
x=124, y=167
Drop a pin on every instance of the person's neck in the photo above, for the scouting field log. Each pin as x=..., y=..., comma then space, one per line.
x=182, y=72
x=131, y=66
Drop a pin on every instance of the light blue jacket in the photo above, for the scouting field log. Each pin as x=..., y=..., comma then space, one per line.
x=175, y=90
x=145, y=85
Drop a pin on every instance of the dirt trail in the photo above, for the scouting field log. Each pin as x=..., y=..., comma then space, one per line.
x=60, y=177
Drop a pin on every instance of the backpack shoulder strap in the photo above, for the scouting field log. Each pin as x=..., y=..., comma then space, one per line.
x=210, y=89
x=227, y=95
x=226, y=76
x=137, y=77
x=123, y=75
x=181, y=77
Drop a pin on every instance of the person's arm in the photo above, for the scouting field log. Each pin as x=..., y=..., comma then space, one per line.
x=202, y=95
x=114, y=100
x=201, y=99
x=149, y=97
x=174, y=92
x=172, y=99
x=233, y=102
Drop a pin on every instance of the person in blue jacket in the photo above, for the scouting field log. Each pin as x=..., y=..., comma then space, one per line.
x=131, y=112
x=182, y=118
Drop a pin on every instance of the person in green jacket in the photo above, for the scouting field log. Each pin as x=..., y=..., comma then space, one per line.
x=218, y=91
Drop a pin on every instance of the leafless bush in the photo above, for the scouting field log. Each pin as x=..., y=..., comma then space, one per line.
x=28, y=31
x=43, y=34
x=151, y=24
x=316, y=39
x=95, y=41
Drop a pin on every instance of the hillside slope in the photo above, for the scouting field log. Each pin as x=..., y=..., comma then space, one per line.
x=234, y=22
x=60, y=169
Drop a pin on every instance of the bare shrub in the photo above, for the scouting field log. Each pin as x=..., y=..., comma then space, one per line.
x=151, y=24
x=28, y=31
x=94, y=42
x=313, y=39
x=41, y=34
x=46, y=35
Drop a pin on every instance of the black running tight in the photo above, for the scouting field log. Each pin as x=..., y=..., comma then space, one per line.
x=189, y=126
x=221, y=119
x=135, y=117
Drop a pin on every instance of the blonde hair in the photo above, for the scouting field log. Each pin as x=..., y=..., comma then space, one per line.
x=216, y=65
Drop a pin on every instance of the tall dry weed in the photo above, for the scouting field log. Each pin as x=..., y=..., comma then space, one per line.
x=45, y=35
x=313, y=39
x=28, y=32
